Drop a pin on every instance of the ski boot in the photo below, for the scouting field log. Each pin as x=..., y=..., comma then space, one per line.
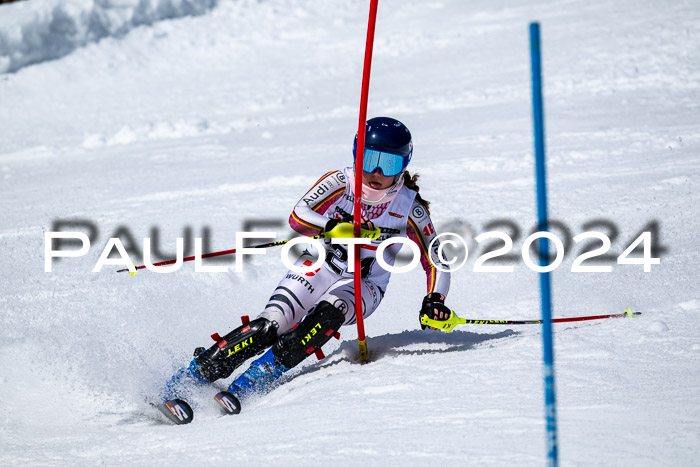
x=217, y=362
x=291, y=348
x=257, y=379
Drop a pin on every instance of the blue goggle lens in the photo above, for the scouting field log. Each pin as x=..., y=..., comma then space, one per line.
x=390, y=164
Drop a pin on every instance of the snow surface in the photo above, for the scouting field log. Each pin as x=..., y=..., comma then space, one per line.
x=222, y=118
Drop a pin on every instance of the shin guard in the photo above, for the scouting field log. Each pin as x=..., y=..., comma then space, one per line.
x=309, y=335
x=234, y=348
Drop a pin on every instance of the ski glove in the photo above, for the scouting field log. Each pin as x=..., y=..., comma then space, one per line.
x=434, y=308
x=337, y=228
x=332, y=223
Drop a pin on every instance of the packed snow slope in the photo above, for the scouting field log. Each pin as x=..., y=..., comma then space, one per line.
x=198, y=125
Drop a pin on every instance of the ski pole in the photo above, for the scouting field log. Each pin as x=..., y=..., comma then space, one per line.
x=342, y=230
x=454, y=320
x=217, y=253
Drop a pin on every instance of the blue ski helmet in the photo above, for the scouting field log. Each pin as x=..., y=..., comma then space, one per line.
x=388, y=146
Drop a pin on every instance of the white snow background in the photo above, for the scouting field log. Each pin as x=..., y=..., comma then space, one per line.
x=171, y=114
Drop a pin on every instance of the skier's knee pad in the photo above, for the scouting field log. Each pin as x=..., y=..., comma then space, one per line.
x=308, y=335
x=234, y=348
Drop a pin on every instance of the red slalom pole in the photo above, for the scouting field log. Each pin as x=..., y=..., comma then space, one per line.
x=359, y=159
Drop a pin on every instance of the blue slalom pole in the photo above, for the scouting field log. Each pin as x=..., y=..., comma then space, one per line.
x=545, y=284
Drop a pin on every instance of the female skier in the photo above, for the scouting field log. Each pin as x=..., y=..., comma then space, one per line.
x=306, y=310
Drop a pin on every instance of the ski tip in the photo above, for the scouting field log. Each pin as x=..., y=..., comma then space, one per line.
x=631, y=314
x=228, y=402
x=177, y=411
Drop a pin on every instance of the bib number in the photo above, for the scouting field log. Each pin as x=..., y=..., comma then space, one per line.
x=337, y=259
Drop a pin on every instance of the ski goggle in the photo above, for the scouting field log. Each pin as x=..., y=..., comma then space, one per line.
x=390, y=164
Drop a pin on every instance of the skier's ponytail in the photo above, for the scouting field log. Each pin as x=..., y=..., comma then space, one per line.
x=409, y=181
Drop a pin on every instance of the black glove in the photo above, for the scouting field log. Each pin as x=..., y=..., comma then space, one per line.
x=434, y=308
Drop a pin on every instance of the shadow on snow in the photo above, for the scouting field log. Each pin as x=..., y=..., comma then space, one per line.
x=415, y=342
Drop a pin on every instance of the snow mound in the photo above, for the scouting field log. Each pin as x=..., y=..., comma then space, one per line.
x=657, y=326
x=37, y=31
x=169, y=129
x=693, y=304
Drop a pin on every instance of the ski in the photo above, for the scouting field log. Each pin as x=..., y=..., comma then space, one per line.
x=177, y=411
x=228, y=402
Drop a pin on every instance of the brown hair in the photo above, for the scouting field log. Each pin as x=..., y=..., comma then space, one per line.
x=410, y=181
